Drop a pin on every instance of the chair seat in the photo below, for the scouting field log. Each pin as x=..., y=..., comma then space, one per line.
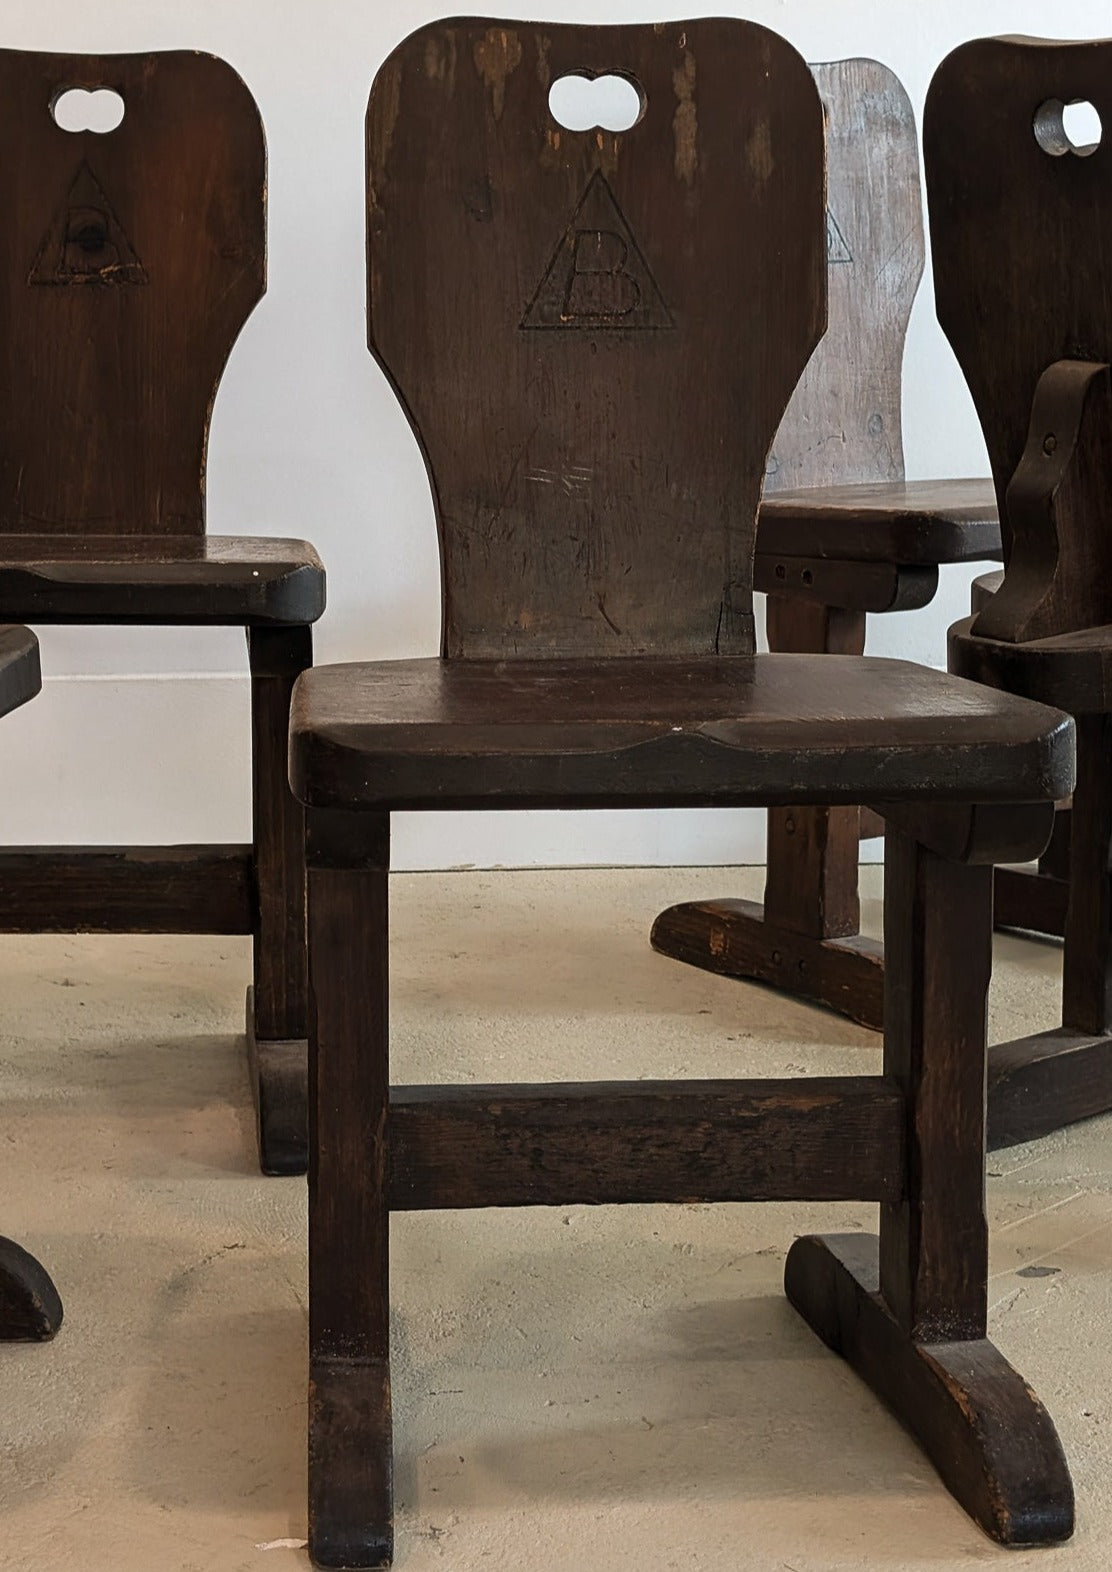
x=680, y=732
x=1072, y=671
x=170, y=580
x=912, y=523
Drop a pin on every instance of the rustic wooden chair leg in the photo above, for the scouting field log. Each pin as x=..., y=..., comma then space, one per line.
x=276, y=1006
x=909, y=1313
x=30, y=1309
x=350, y=1443
x=804, y=938
x=1040, y=1083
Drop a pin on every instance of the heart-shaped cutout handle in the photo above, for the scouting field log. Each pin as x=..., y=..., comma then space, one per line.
x=580, y=102
x=80, y=109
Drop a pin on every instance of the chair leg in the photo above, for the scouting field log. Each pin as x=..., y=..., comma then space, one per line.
x=909, y=1311
x=1043, y=1082
x=350, y=1444
x=30, y=1309
x=804, y=939
x=276, y=1006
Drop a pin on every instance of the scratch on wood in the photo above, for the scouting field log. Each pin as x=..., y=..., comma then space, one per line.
x=685, y=120
x=758, y=151
x=497, y=56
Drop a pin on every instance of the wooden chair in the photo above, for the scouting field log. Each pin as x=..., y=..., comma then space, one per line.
x=30, y=1310
x=594, y=335
x=129, y=261
x=842, y=535
x=1025, y=297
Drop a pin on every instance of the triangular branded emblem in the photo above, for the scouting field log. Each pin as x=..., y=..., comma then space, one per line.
x=85, y=243
x=836, y=248
x=598, y=276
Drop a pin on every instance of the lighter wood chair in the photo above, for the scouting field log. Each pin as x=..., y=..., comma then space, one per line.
x=842, y=535
x=1024, y=295
x=594, y=335
x=129, y=261
x=30, y=1309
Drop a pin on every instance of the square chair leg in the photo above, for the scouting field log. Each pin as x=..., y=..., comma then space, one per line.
x=277, y=1030
x=908, y=1312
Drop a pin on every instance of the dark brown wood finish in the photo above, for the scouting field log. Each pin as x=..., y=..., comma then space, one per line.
x=1023, y=295
x=129, y=262
x=30, y=1309
x=842, y=534
x=595, y=493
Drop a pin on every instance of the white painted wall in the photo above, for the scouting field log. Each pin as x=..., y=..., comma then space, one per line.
x=142, y=735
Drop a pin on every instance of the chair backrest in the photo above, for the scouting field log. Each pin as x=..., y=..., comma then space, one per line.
x=129, y=261
x=843, y=425
x=1021, y=225
x=595, y=333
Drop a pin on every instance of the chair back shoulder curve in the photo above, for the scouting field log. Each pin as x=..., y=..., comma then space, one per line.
x=129, y=261
x=595, y=332
x=1021, y=224
x=843, y=425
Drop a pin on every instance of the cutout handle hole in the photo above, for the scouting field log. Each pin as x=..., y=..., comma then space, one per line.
x=78, y=109
x=1068, y=127
x=580, y=102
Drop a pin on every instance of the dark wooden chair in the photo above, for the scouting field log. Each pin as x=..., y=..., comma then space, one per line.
x=594, y=335
x=842, y=535
x=30, y=1310
x=129, y=261
x=1024, y=295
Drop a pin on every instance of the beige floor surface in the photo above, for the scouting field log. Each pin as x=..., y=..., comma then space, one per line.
x=574, y=1388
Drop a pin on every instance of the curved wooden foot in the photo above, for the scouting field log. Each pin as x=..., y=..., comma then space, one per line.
x=279, y=1074
x=1042, y=1083
x=351, y=1489
x=980, y=1424
x=735, y=939
x=30, y=1309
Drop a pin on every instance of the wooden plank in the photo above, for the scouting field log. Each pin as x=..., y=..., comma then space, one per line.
x=604, y=1142
x=131, y=262
x=937, y=960
x=127, y=889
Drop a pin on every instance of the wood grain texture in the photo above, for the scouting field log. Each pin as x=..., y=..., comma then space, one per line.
x=934, y=1241
x=911, y=522
x=597, y=487
x=1008, y=309
x=991, y=1440
x=129, y=261
x=127, y=889
x=843, y=423
x=640, y=1141
x=777, y=728
x=179, y=581
x=1059, y=574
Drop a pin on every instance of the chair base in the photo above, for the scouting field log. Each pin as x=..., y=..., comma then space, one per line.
x=987, y=1434
x=735, y=939
x=30, y=1309
x=279, y=1075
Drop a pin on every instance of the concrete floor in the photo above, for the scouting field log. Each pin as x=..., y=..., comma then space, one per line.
x=598, y=1389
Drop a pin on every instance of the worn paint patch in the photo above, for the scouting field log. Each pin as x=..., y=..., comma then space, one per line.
x=758, y=151
x=497, y=56
x=544, y=70
x=685, y=127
